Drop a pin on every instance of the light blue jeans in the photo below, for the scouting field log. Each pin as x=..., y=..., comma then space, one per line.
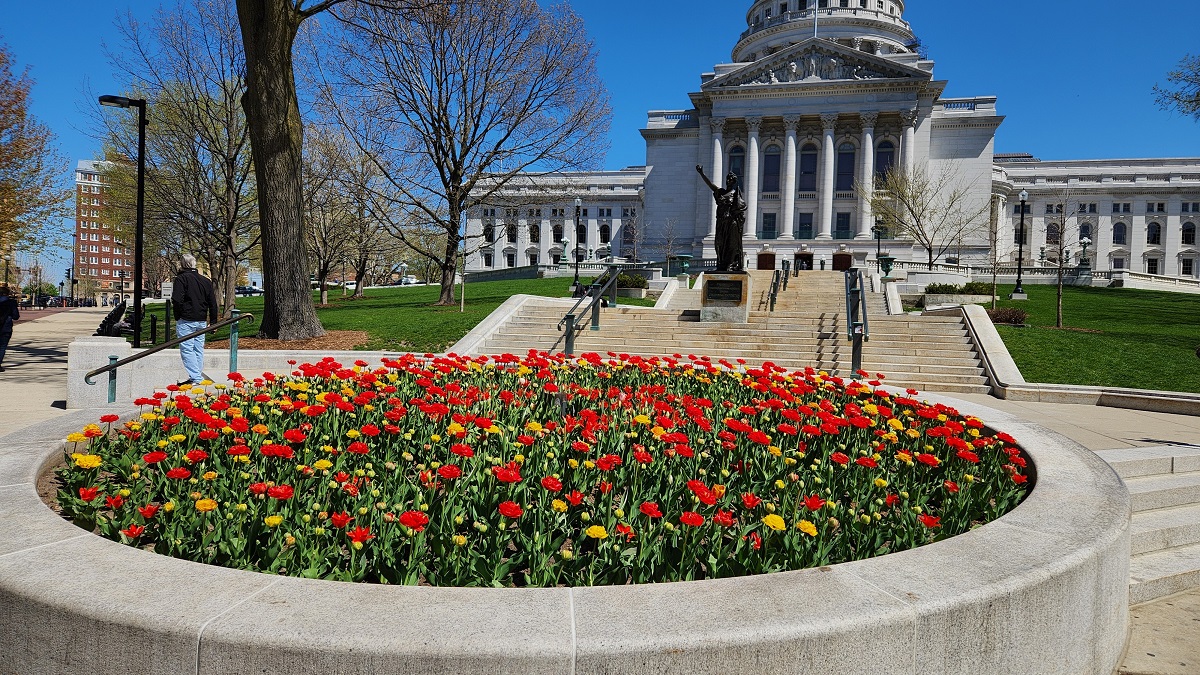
x=192, y=351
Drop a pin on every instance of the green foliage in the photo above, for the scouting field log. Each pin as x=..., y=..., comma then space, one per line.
x=44, y=288
x=1113, y=337
x=941, y=289
x=977, y=288
x=1007, y=315
x=632, y=281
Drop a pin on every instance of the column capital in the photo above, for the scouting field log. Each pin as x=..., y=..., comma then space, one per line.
x=828, y=120
x=754, y=123
x=790, y=122
x=869, y=119
x=717, y=124
x=909, y=117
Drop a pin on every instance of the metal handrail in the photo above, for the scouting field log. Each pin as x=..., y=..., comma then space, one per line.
x=595, y=292
x=773, y=294
x=857, y=329
x=113, y=364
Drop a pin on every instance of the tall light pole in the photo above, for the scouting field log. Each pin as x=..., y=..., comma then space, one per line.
x=139, y=236
x=576, y=290
x=1020, y=248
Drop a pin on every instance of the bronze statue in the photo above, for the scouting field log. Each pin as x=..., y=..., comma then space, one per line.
x=731, y=219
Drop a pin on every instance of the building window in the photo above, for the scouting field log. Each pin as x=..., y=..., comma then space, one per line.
x=1053, y=233
x=1189, y=233
x=1153, y=235
x=533, y=258
x=885, y=158
x=771, y=169
x=558, y=213
x=1156, y=207
x=1151, y=265
x=535, y=233
x=603, y=213
x=737, y=163
x=804, y=226
x=583, y=213
x=511, y=213
x=489, y=234
x=1017, y=209
x=1087, y=208
x=489, y=213
x=808, y=168
x=845, y=168
x=487, y=259
x=1187, y=267
x=842, y=227
x=558, y=232
x=510, y=259
x=1191, y=207
x=1085, y=231
x=1122, y=207
x=605, y=233
x=628, y=212
x=1054, y=209
x=580, y=233
x=1119, y=234
x=769, y=230
x=510, y=233
x=534, y=213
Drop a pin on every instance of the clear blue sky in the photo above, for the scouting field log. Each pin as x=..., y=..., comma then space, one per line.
x=1074, y=77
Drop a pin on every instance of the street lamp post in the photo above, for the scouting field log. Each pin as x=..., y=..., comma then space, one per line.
x=576, y=289
x=139, y=236
x=1019, y=291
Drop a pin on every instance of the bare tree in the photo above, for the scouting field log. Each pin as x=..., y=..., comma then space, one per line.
x=31, y=191
x=669, y=241
x=455, y=103
x=1060, y=237
x=934, y=210
x=199, y=180
x=1182, y=92
x=326, y=229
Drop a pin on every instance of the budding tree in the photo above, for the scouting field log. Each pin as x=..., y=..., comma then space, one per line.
x=935, y=210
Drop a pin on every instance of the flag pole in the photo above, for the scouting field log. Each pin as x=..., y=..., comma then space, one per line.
x=816, y=3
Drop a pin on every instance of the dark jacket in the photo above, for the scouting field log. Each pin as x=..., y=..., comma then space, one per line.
x=192, y=297
x=9, y=313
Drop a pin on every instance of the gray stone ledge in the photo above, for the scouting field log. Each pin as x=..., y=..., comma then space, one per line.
x=1042, y=590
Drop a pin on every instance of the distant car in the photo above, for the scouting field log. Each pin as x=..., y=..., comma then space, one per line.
x=408, y=280
x=248, y=290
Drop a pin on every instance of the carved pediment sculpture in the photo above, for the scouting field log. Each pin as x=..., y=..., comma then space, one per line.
x=815, y=61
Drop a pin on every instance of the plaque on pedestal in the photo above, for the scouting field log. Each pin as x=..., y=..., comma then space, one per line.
x=725, y=297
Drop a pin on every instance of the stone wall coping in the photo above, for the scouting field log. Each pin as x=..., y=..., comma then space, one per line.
x=1044, y=589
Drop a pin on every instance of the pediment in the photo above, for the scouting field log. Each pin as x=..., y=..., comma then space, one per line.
x=815, y=61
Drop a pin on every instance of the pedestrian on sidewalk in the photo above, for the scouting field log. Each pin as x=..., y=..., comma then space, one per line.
x=195, y=307
x=9, y=313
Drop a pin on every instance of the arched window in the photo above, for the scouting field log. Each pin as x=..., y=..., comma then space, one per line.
x=885, y=158
x=1154, y=233
x=1053, y=233
x=1085, y=231
x=771, y=169
x=489, y=234
x=535, y=233
x=737, y=164
x=1119, y=234
x=845, y=168
x=605, y=233
x=580, y=233
x=808, y=168
x=558, y=232
x=1189, y=233
x=510, y=233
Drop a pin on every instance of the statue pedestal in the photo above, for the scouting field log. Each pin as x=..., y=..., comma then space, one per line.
x=725, y=297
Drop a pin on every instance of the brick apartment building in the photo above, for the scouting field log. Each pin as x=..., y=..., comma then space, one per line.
x=103, y=266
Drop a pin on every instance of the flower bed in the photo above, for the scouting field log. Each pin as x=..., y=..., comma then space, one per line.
x=537, y=471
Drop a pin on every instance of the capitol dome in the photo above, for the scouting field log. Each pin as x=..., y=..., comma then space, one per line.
x=873, y=26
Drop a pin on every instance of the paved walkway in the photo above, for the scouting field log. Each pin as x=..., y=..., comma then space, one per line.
x=1164, y=636
x=33, y=386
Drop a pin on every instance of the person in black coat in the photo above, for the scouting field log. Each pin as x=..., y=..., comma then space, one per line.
x=195, y=306
x=9, y=313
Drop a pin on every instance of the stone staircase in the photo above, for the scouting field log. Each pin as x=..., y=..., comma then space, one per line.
x=806, y=329
x=1164, y=482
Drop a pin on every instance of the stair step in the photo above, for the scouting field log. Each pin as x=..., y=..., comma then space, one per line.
x=1164, y=491
x=1149, y=461
x=1165, y=528
x=1162, y=573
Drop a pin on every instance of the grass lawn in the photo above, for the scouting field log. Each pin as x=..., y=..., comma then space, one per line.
x=1113, y=337
x=403, y=318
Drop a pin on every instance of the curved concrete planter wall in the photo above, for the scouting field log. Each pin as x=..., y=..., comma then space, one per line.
x=1042, y=590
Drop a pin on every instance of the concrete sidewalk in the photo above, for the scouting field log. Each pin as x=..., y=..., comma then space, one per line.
x=1164, y=633
x=33, y=386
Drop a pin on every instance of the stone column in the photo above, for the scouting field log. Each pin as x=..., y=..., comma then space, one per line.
x=718, y=168
x=909, y=117
x=789, y=176
x=866, y=176
x=825, y=187
x=751, y=186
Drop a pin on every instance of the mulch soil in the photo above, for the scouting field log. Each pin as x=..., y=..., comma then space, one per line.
x=334, y=340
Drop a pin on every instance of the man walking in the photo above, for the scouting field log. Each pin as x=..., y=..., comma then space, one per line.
x=195, y=305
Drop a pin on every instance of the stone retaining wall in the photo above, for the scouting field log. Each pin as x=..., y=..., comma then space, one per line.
x=1042, y=590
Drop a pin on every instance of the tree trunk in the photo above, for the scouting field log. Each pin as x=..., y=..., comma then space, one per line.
x=449, y=268
x=276, y=137
x=929, y=251
x=360, y=276
x=1058, y=313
